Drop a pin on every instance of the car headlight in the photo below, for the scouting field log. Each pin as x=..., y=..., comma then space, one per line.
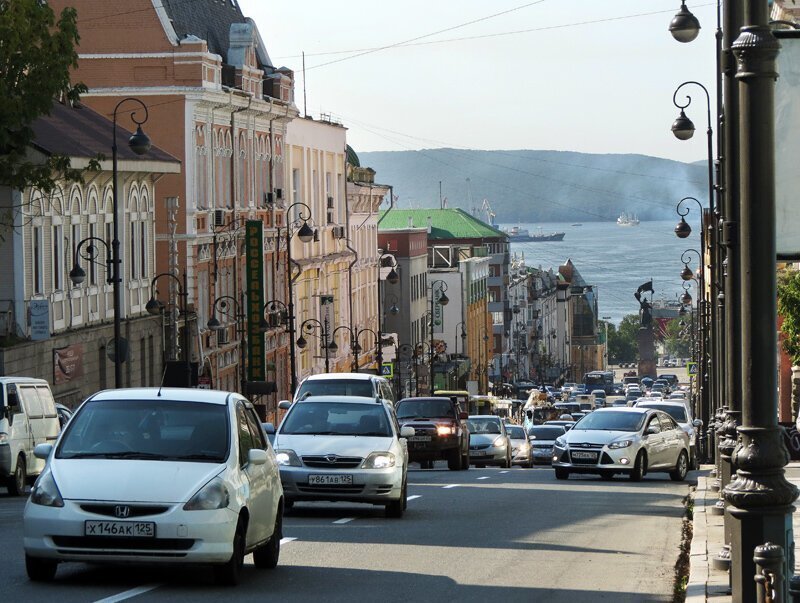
x=524, y=446
x=214, y=495
x=621, y=444
x=445, y=430
x=499, y=442
x=378, y=460
x=3, y=437
x=45, y=491
x=561, y=442
x=287, y=458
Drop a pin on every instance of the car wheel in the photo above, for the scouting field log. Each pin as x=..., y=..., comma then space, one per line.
x=507, y=464
x=454, y=460
x=639, y=467
x=395, y=508
x=40, y=570
x=606, y=476
x=16, y=483
x=479, y=465
x=230, y=572
x=465, y=461
x=530, y=464
x=562, y=473
x=266, y=556
x=681, y=468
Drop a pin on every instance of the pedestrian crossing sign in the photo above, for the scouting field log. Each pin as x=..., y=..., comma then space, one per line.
x=691, y=368
x=387, y=370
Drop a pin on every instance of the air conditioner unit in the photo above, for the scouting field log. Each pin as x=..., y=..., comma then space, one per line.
x=268, y=199
x=338, y=232
x=219, y=217
x=222, y=337
x=330, y=201
x=279, y=193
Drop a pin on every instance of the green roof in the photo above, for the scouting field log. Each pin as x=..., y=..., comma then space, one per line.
x=445, y=223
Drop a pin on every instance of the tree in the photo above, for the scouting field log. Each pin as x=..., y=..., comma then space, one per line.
x=36, y=56
x=676, y=340
x=789, y=309
x=622, y=346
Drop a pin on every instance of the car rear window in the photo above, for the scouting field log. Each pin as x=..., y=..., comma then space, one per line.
x=147, y=430
x=336, y=387
x=676, y=412
x=336, y=418
x=545, y=433
x=425, y=409
x=515, y=432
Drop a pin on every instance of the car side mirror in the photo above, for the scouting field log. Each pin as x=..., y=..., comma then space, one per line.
x=256, y=456
x=284, y=404
x=42, y=451
x=407, y=432
x=269, y=428
x=652, y=430
x=463, y=416
x=697, y=423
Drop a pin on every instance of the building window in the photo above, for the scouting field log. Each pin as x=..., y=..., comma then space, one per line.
x=92, y=268
x=134, y=252
x=143, y=249
x=58, y=254
x=38, y=268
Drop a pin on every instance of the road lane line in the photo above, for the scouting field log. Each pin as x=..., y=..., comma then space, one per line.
x=451, y=486
x=504, y=472
x=288, y=539
x=413, y=496
x=128, y=594
x=484, y=477
x=344, y=520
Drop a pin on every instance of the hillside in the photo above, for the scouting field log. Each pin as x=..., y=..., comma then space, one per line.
x=540, y=186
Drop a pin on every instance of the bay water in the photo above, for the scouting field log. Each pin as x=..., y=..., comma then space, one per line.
x=616, y=259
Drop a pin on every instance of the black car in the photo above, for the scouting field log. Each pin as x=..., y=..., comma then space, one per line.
x=440, y=431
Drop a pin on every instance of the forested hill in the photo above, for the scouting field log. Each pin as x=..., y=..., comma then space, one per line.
x=540, y=186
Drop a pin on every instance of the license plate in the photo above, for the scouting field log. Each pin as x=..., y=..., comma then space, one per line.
x=584, y=455
x=126, y=529
x=421, y=438
x=478, y=453
x=330, y=480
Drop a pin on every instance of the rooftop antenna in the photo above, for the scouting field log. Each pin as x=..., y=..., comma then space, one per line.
x=440, y=195
x=305, y=111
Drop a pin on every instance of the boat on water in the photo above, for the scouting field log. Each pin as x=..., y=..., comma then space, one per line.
x=577, y=224
x=626, y=219
x=523, y=235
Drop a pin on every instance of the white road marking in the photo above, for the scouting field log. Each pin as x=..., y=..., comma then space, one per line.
x=504, y=472
x=344, y=520
x=450, y=486
x=413, y=496
x=134, y=592
x=287, y=539
x=484, y=477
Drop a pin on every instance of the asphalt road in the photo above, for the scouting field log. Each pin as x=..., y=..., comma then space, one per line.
x=479, y=535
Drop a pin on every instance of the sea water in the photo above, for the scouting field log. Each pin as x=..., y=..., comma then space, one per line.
x=617, y=259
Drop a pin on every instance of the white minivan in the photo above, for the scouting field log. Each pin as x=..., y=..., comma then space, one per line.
x=28, y=417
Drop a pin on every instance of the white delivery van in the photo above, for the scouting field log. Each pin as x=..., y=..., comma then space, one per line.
x=27, y=417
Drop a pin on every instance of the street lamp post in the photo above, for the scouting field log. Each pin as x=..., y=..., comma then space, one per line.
x=155, y=307
x=139, y=143
x=215, y=325
x=436, y=286
x=392, y=278
x=605, y=350
x=309, y=327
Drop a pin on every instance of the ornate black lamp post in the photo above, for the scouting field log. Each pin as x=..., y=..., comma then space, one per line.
x=276, y=314
x=139, y=144
x=684, y=26
x=438, y=295
x=310, y=326
x=225, y=303
x=392, y=278
x=155, y=307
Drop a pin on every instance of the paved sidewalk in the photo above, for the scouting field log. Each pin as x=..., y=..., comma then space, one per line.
x=707, y=584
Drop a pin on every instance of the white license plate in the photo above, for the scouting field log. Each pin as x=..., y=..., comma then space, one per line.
x=126, y=529
x=584, y=455
x=330, y=480
x=425, y=438
x=478, y=453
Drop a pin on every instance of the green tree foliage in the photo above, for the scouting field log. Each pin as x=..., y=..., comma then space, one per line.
x=678, y=338
x=622, y=346
x=36, y=55
x=789, y=309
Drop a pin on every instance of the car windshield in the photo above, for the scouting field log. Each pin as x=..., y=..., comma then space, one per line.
x=545, y=433
x=676, y=412
x=484, y=426
x=147, y=430
x=515, y=432
x=336, y=418
x=422, y=409
x=336, y=387
x=612, y=421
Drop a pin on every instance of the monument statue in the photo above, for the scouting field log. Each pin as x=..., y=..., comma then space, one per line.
x=645, y=338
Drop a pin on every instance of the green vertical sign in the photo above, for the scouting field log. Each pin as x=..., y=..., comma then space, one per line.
x=254, y=250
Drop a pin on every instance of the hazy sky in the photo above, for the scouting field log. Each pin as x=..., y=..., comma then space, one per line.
x=595, y=76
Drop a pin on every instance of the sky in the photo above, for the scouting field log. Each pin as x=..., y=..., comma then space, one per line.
x=594, y=76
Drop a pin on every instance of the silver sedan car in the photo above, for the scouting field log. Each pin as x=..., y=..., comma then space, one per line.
x=632, y=441
x=489, y=443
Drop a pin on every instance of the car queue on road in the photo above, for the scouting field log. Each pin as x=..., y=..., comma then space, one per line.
x=160, y=475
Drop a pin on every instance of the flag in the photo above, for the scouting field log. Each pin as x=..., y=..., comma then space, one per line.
x=648, y=286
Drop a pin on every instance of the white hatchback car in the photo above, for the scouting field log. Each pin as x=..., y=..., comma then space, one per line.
x=343, y=448
x=157, y=476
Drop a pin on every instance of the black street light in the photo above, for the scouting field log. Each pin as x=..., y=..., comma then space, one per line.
x=155, y=307
x=684, y=26
x=224, y=303
x=139, y=143
x=309, y=327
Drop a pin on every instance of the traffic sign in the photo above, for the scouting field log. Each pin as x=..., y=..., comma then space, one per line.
x=691, y=368
x=387, y=369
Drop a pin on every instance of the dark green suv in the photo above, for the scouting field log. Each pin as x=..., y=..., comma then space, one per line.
x=440, y=431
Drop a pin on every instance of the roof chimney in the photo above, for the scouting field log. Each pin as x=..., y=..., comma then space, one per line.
x=430, y=225
x=411, y=221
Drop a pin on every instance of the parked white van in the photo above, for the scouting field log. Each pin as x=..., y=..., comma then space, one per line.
x=28, y=417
